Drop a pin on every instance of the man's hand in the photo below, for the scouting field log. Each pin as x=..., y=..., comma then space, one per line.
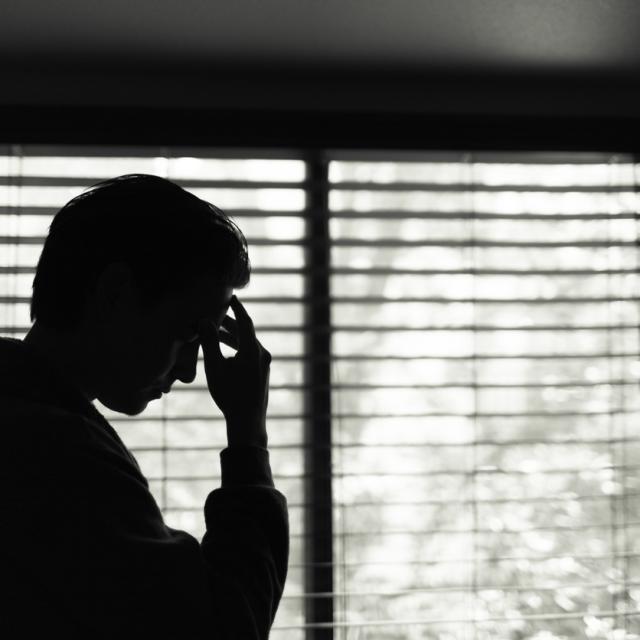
x=239, y=385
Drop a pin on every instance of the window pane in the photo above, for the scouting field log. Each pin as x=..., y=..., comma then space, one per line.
x=178, y=438
x=485, y=396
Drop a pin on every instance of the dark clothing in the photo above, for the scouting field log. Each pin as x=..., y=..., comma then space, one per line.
x=84, y=552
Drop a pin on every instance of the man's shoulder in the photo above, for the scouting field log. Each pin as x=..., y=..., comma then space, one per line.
x=33, y=416
x=43, y=443
x=37, y=428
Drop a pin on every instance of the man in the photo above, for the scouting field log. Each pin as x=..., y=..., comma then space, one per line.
x=134, y=276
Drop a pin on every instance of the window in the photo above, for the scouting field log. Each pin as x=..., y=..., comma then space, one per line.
x=454, y=402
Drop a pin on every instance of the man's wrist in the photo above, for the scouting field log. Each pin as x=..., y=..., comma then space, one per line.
x=245, y=466
x=237, y=443
x=246, y=435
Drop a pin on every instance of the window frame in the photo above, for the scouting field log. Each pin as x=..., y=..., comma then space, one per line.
x=311, y=136
x=309, y=130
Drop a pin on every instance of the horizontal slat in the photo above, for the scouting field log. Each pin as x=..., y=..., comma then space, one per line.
x=519, y=617
x=476, y=386
x=467, y=243
x=234, y=213
x=377, y=214
x=479, y=386
x=613, y=498
x=580, y=557
x=392, y=242
x=82, y=182
x=521, y=273
x=453, y=502
x=476, y=357
x=488, y=471
x=470, y=328
x=190, y=417
x=376, y=300
x=480, y=357
x=419, y=474
x=478, y=187
x=288, y=329
x=394, y=445
x=479, y=328
x=385, y=533
x=467, y=589
x=262, y=242
x=400, y=416
x=486, y=414
x=436, y=187
x=408, y=214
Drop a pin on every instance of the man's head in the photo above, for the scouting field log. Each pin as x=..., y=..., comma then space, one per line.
x=163, y=233
x=126, y=272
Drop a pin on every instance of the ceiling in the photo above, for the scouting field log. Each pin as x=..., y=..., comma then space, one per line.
x=520, y=35
x=173, y=51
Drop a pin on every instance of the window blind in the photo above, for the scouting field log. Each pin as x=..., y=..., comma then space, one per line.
x=176, y=440
x=454, y=392
x=485, y=364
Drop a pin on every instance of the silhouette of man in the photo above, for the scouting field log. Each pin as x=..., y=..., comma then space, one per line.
x=135, y=275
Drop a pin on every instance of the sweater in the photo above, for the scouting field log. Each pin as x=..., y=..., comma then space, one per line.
x=84, y=550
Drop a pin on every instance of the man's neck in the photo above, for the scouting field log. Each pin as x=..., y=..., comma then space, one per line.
x=65, y=352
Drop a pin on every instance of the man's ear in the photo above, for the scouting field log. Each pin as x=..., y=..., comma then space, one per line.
x=115, y=293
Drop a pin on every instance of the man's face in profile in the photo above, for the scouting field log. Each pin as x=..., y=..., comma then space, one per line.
x=144, y=352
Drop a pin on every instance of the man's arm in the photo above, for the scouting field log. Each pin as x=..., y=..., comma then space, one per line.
x=247, y=515
x=240, y=387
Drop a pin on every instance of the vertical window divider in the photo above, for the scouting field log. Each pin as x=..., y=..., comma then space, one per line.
x=612, y=449
x=471, y=186
x=318, y=496
x=625, y=507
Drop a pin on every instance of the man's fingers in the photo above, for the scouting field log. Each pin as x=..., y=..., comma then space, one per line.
x=242, y=316
x=229, y=324
x=238, y=331
x=246, y=331
x=228, y=337
x=229, y=332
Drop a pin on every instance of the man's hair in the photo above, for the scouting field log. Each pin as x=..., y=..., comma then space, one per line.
x=165, y=234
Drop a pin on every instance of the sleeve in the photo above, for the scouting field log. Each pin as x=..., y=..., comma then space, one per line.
x=95, y=543
x=247, y=515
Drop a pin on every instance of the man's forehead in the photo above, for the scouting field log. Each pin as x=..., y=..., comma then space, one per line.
x=211, y=301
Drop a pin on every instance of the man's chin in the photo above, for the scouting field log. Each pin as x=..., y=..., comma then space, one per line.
x=133, y=411
x=128, y=406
